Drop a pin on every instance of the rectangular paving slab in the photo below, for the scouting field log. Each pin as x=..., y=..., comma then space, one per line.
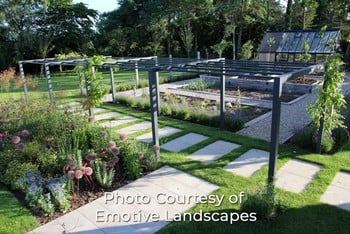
x=338, y=192
x=117, y=122
x=249, y=162
x=183, y=142
x=296, y=175
x=162, y=132
x=143, y=206
x=213, y=151
x=135, y=128
x=106, y=115
x=69, y=104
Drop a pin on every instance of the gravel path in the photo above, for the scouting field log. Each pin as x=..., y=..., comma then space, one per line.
x=293, y=118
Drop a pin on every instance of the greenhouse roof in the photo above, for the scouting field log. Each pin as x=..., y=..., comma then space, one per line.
x=293, y=41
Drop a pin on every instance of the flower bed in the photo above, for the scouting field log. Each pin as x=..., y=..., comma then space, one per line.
x=56, y=161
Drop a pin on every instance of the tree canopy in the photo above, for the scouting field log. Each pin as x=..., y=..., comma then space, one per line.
x=43, y=28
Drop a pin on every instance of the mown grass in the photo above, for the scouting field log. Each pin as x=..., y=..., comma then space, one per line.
x=303, y=213
x=14, y=218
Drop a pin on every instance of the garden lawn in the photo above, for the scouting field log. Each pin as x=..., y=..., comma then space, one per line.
x=303, y=213
x=14, y=218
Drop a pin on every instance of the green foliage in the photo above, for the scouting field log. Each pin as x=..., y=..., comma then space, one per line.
x=129, y=150
x=330, y=99
x=15, y=170
x=93, y=79
x=264, y=203
x=70, y=55
x=305, y=137
x=247, y=50
x=50, y=162
x=104, y=175
x=233, y=123
x=199, y=85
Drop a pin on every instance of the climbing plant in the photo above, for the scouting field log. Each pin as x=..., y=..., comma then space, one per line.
x=325, y=112
x=93, y=81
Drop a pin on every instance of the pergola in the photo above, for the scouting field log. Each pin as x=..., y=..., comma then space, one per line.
x=276, y=72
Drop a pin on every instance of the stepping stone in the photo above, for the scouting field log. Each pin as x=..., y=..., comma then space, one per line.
x=338, y=192
x=296, y=175
x=106, y=115
x=213, y=151
x=184, y=142
x=117, y=122
x=141, y=197
x=163, y=132
x=99, y=110
x=69, y=104
x=135, y=128
x=249, y=162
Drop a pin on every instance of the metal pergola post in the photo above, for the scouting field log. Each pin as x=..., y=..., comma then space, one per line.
x=170, y=64
x=87, y=87
x=137, y=74
x=275, y=128
x=157, y=80
x=80, y=83
x=48, y=76
x=154, y=102
x=112, y=83
x=222, y=96
x=25, y=87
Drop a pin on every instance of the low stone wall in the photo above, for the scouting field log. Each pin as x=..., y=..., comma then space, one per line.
x=234, y=82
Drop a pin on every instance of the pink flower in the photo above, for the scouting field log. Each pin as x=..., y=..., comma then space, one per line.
x=140, y=155
x=111, y=144
x=2, y=135
x=123, y=136
x=115, y=151
x=78, y=174
x=16, y=139
x=71, y=174
x=156, y=148
x=82, y=169
x=24, y=133
x=88, y=171
x=72, y=164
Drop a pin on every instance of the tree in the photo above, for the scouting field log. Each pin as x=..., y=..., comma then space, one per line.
x=325, y=112
x=187, y=37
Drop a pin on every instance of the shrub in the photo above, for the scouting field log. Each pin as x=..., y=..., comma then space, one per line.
x=327, y=144
x=166, y=109
x=50, y=162
x=129, y=150
x=263, y=203
x=15, y=170
x=305, y=137
x=341, y=137
x=199, y=85
x=233, y=123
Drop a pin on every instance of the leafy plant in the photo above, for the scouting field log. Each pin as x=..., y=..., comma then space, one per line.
x=264, y=203
x=104, y=175
x=330, y=100
x=129, y=150
x=199, y=85
x=15, y=170
x=93, y=79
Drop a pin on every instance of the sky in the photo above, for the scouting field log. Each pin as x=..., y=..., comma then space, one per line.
x=100, y=5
